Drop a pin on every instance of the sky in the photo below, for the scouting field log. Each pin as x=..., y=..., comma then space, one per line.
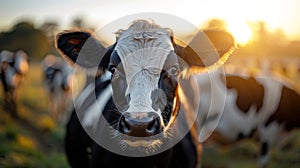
x=277, y=14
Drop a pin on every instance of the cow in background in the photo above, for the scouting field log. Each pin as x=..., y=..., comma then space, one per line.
x=262, y=104
x=58, y=76
x=13, y=67
x=141, y=88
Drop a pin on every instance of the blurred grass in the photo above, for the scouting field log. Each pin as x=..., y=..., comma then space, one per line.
x=244, y=154
x=20, y=147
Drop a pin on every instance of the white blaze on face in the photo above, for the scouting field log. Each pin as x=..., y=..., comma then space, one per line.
x=143, y=55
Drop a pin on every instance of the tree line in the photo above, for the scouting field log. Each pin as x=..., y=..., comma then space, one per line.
x=39, y=41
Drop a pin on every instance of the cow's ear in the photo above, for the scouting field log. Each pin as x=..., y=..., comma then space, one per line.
x=223, y=42
x=208, y=47
x=80, y=48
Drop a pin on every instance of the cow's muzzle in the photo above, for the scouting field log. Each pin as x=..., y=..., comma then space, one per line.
x=140, y=124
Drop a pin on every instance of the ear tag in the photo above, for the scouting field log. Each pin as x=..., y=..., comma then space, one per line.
x=74, y=41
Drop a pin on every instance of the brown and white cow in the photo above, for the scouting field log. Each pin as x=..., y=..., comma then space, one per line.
x=135, y=113
x=263, y=103
x=13, y=67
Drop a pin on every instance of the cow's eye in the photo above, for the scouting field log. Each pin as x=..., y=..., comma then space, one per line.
x=111, y=68
x=173, y=70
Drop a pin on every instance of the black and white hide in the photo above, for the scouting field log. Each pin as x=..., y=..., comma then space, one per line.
x=261, y=106
x=58, y=77
x=13, y=68
x=138, y=109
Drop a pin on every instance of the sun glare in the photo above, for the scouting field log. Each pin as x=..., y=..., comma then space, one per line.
x=241, y=32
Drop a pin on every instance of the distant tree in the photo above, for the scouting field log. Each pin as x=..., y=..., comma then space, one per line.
x=262, y=34
x=78, y=22
x=49, y=27
x=280, y=37
x=25, y=36
x=216, y=24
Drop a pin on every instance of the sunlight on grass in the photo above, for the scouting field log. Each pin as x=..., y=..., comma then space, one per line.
x=33, y=89
x=25, y=142
x=46, y=123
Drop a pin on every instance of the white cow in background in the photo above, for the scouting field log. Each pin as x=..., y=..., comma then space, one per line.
x=259, y=103
x=13, y=68
x=58, y=79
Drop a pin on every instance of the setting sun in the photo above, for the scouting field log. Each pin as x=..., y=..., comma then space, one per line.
x=241, y=32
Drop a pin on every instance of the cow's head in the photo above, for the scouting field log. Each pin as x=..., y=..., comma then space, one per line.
x=145, y=63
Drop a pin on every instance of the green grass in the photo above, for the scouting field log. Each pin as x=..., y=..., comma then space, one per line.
x=244, y=155
x=18, y=148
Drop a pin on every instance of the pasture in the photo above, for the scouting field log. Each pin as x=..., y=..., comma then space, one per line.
x=244, y=155
x=35, y=140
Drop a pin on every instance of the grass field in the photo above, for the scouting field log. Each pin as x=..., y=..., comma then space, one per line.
x=244, y=155
x=33, y=140
x=36, y=141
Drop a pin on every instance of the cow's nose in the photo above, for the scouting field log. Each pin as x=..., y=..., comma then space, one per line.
x=140, y=124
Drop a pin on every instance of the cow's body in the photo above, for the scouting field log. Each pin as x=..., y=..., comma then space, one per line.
x=136, y=112
x=82, y=150
x=13, y=67
x=57, y=76
x=262, y=103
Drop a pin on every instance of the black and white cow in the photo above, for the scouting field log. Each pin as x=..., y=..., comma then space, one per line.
x=58, y=77
x=262, y=104
x=136, y=113
x=13, y=67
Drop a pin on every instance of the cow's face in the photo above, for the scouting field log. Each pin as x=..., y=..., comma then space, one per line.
x=145, y=98
x=145, y=69
x=145, y=64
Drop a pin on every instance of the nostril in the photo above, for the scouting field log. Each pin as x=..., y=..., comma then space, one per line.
x=144, y=125
x=153, y=126
x=125, y=126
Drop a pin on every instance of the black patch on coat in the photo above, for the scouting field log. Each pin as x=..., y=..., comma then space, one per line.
x=249, y=91
x=288, y=111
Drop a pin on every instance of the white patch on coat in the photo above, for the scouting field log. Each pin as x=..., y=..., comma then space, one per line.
x=6, y=56
x=90, y=88
x=12, y=79
x=21, y=63
x=212, y=102
x=84, y=94
x=272, y=96
x=94, y=112
x=233, y=120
